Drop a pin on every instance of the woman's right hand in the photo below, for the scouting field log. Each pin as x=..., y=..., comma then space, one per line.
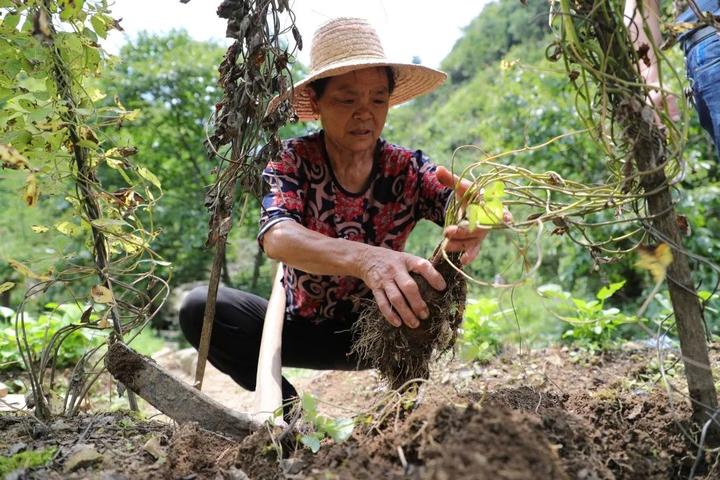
x=387, y=273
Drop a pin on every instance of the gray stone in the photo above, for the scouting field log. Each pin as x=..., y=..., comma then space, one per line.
x=82, y=456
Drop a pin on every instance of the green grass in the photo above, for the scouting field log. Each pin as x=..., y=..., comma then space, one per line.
x=29, y=459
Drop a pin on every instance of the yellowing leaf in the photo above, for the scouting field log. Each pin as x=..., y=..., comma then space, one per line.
x=114, y=163
x=6, y=286
x=485, y=214
x=656, y=260
x=132, y=243
x=26, y=272
x=130, y=115
x=68, y=228
x=95, y=94
x=121, y=152
x=489, y=210
x=11, y=158
x=101, y=294
x=149, y=176
x=508, y=64
x=31, y=191
x=680, y=27
x=39, y=228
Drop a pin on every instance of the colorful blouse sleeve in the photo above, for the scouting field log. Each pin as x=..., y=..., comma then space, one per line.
x=287, y=190
x=434, y=196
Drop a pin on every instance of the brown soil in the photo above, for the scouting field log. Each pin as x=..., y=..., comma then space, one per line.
x=551, y=414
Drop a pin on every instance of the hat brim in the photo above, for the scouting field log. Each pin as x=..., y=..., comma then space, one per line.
x=411, y=81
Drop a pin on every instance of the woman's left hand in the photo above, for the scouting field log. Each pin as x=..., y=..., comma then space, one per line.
x=460, y=237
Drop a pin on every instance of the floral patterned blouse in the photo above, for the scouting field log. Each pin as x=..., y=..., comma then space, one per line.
x=402, y=190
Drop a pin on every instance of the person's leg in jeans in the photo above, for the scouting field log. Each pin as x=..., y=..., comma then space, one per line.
x=703, y=65
x=237, y=332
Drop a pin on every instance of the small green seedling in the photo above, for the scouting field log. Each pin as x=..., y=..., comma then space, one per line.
x=338, y=430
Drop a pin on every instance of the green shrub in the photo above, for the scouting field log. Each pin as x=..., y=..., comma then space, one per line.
x=338, y=429
x=40, y=329
x=590, y=324
x=480, y=332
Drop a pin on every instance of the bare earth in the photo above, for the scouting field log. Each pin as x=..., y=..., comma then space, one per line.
x=547, y=414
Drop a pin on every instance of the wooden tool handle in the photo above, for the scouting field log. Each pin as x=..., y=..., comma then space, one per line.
x=268, y=387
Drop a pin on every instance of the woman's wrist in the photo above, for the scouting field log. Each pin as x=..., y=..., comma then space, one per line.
x=359, y=259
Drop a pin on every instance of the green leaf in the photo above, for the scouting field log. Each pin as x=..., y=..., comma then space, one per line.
x=149, y=176
x=99, y=26
x=311, y=441
x=494, y=191
x=580, y=303
x=309, y=405
x=109, y=223
x=609, y=290
x=10, y=21
x=71, y=42
x=340, y=429
x=489, y=213
x=704, y=295
x=33, y=84
x=552, y=290
x=70, y=9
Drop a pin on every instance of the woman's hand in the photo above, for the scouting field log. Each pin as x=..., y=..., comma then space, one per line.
x=387, y=273
x=459, y=237
x=462, y=239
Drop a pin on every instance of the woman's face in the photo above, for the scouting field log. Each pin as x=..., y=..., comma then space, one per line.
x=353, y=108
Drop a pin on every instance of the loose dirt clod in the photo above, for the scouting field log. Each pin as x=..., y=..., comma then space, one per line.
x=402, y=354
x=194, y=451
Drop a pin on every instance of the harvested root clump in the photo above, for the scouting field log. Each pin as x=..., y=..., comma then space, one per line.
x=401, y=353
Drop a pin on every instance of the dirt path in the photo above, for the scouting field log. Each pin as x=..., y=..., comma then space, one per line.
x=339, y=393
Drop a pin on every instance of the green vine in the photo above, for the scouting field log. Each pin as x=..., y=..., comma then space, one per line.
x=53, y=132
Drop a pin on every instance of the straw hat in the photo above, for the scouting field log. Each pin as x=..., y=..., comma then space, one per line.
x=346, y=44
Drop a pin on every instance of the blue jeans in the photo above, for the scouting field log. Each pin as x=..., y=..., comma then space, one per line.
x=703, y=69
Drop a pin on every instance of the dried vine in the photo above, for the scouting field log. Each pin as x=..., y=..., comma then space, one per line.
x=254, y=70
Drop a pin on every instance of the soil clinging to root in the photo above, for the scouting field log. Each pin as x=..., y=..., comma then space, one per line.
x=402, y=354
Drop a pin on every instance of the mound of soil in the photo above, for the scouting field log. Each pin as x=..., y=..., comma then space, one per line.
x=540, y=416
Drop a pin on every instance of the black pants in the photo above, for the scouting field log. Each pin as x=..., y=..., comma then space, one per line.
x=237, y=331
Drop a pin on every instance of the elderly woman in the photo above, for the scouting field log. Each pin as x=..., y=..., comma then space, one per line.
x=342, y=203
